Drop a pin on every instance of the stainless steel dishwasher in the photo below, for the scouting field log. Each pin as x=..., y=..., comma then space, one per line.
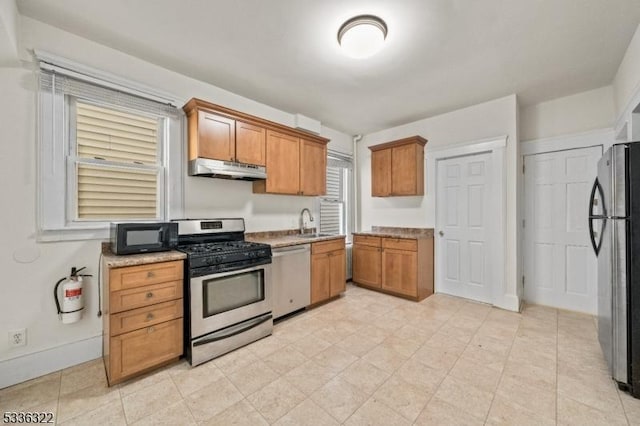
x=291, y=277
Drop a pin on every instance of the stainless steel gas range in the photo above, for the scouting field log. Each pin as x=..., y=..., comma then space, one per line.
x=229, y=288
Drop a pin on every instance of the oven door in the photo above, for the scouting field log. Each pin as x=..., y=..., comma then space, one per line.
x=222, y=300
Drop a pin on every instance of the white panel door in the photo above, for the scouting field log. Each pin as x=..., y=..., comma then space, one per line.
x=465, y=208
x=559, y=265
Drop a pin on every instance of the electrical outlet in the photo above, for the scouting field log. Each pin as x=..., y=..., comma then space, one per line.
x=18, y=337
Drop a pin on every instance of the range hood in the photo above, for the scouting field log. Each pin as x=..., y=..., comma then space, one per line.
x=226, y=169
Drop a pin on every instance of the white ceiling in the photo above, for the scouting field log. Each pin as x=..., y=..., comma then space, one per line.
x=440, y=55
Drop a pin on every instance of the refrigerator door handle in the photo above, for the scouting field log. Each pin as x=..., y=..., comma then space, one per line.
x=593, y=202
x=592, y=234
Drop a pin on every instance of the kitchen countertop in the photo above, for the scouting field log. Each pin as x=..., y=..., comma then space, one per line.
x=118, y=261
x=397, y=232
x=285, y=238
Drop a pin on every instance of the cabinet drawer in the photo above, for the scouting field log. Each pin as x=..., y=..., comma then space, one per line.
x=141, y=349
x=143, y=317
x=144, y=275
x=327, y=246
x=366, y=240
x=400, y=244
x=144, y=296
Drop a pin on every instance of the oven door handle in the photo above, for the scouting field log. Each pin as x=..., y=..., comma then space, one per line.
x=233, y=331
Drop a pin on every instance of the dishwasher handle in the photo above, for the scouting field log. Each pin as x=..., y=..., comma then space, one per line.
x=286, y=252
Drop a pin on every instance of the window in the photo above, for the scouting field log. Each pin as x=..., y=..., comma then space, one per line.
x=336, y=205
x=116, y=165
x=107, y=151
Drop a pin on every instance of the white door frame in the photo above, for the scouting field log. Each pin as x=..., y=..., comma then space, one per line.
x=603, y=137
x=599, y=137
x=496, y=147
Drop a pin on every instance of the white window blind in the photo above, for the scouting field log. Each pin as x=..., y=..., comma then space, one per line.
x=335, y=216
x=117, y=164
x=332, y=204
x=116, y=135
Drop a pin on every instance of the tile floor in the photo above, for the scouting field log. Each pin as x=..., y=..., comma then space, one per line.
x=366, y=358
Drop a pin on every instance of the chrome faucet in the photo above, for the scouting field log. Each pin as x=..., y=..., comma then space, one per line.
x=303, y=228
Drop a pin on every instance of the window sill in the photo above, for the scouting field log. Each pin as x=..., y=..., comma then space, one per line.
x=70, y=234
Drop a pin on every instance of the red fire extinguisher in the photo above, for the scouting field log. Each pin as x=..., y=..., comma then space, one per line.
x=72, y=300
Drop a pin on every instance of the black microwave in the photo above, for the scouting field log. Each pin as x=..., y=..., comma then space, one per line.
x=143, y=237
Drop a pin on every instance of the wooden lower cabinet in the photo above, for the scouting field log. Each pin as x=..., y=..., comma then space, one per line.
x=367, y=264
x=328, y=270
x=142, y=349
x=338, y=268
x=143, y=318
x=399, y=271
x=320, y=277
x=399, y=266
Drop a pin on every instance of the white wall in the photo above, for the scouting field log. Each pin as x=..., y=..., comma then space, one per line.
x=9, y=29
x=486, y=120
x=26, y=288
x=626, y=84
x=581, y=112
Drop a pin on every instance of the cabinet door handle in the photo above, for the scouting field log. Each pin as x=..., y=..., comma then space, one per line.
x=149, y=295
x=150, y=274
x=149, y=316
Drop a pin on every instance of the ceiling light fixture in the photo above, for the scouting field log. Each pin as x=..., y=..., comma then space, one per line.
x=362, y=36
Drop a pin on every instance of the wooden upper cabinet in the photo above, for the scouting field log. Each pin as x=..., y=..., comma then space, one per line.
x=313, y=168
x=381, y=173
x=250, y=143
x=216, y=137
x=407, y=177
x=295, y=161
x=295, y=166
x=397, y=168
x=283, y=163
x=216, y=133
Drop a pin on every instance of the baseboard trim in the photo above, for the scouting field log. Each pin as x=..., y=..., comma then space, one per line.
x=27, y=367
x=509, y=302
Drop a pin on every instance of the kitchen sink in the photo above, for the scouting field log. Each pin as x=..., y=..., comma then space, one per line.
x=313, y=235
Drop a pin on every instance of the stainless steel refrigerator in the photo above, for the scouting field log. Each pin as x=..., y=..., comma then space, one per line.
x=614, y=225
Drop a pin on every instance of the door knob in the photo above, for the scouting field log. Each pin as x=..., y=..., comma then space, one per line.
x=441, y=233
